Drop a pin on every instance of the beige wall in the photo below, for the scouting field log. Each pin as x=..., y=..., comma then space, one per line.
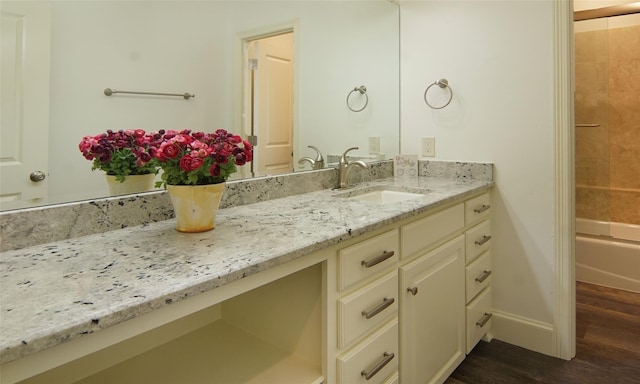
x=608, y=93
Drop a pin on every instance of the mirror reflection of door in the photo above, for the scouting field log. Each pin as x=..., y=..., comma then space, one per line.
x=24, y=131
x=270, y=102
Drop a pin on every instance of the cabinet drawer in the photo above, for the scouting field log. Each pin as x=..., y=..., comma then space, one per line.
x=420, y=234
x=377, y=356
x=367, y=258
x=477, y=209
x=478, y=275
x=360, y=312
x=478, y=240
x=478, y=318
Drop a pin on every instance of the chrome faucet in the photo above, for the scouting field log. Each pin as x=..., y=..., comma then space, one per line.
x=344, y=168
x=318, y=163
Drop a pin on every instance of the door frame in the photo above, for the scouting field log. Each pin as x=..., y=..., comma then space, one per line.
x=564, y=318
x=242, y=99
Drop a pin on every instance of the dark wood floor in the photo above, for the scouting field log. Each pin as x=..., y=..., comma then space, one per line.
x=607, y=348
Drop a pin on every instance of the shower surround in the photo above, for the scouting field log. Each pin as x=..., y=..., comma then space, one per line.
x=608, y=93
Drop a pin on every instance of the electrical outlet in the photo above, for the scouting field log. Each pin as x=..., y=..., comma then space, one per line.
x=374, y=145
x=428, y=146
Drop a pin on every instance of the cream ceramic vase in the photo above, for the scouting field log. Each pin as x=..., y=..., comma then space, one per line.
x=131, y=184
x=196, y=206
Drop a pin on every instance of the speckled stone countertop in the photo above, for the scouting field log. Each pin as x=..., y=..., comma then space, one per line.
x=58, y=291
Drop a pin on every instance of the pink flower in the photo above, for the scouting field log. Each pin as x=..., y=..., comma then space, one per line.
x=196, y=158
x=119, y=153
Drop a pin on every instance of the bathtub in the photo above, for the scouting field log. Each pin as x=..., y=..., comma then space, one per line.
x=603, y=259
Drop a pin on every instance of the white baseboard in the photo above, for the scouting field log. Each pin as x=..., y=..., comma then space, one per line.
x=523, y=332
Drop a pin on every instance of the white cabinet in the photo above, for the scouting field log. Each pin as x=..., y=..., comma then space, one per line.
x=478, y=318
x=372, y=360
x=478, y=270
x=367, y=258
x=426, y=232
x=366, y=348
x=477, y=209
x=367, y=308
x=432, y=314
x=400, y=305
x=432, y=290
x=439, y=265
x=445, y=294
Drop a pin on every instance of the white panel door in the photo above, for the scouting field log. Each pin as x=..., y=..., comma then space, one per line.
x=273, y=105
x=24, y=130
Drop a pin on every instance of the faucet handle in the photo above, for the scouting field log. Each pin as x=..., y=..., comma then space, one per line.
x=318, y=154
x=344, y=155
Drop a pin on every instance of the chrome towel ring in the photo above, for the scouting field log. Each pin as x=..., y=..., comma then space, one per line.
x=363, y=91
x=442, y=83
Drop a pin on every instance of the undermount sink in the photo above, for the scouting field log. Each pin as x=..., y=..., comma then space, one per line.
x=381, y=195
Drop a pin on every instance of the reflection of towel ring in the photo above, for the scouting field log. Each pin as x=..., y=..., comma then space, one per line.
x=363, y=91
x=442, y=83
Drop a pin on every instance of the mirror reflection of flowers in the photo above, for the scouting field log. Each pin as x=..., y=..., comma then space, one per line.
x=198, y=158
x=120, y=153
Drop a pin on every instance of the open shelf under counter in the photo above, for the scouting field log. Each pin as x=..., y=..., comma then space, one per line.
x=270, y=334
x=219, y=353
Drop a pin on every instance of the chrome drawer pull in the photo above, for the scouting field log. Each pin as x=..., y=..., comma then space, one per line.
x=483, y=321
x=378, y=259
x=413, y=290
x=482, y=208
x=379, y=308
x=485, y=275
x=483, y=240
x=386, y=358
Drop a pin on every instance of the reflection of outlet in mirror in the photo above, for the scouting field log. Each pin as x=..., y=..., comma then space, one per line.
x=374, y=144
x=428, y=146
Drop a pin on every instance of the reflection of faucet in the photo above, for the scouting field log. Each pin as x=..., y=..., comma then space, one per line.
x=344, y=168
x=318, y=163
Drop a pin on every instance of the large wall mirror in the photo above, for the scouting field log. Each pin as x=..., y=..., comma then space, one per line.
x=200, y=47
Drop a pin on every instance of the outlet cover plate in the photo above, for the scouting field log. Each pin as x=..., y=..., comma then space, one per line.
x=374, y=145
x=428, y=146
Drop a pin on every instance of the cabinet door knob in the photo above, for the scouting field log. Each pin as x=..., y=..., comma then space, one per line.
x=36, y=176
x=413, y=290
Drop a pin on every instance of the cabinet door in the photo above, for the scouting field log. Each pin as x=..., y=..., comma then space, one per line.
x=432, y=314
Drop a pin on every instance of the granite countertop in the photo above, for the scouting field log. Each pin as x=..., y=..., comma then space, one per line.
x=59, y=291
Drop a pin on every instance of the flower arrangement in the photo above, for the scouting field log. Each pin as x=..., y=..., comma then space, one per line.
x=120, y=153
x=198, y=158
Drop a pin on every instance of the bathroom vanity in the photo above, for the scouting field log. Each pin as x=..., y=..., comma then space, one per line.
x=321, y=287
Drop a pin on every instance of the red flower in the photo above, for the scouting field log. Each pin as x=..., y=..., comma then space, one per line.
x=214, y=170
x=170, y=150
x=197, y=158
x=189, y=163
x=240, y=159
